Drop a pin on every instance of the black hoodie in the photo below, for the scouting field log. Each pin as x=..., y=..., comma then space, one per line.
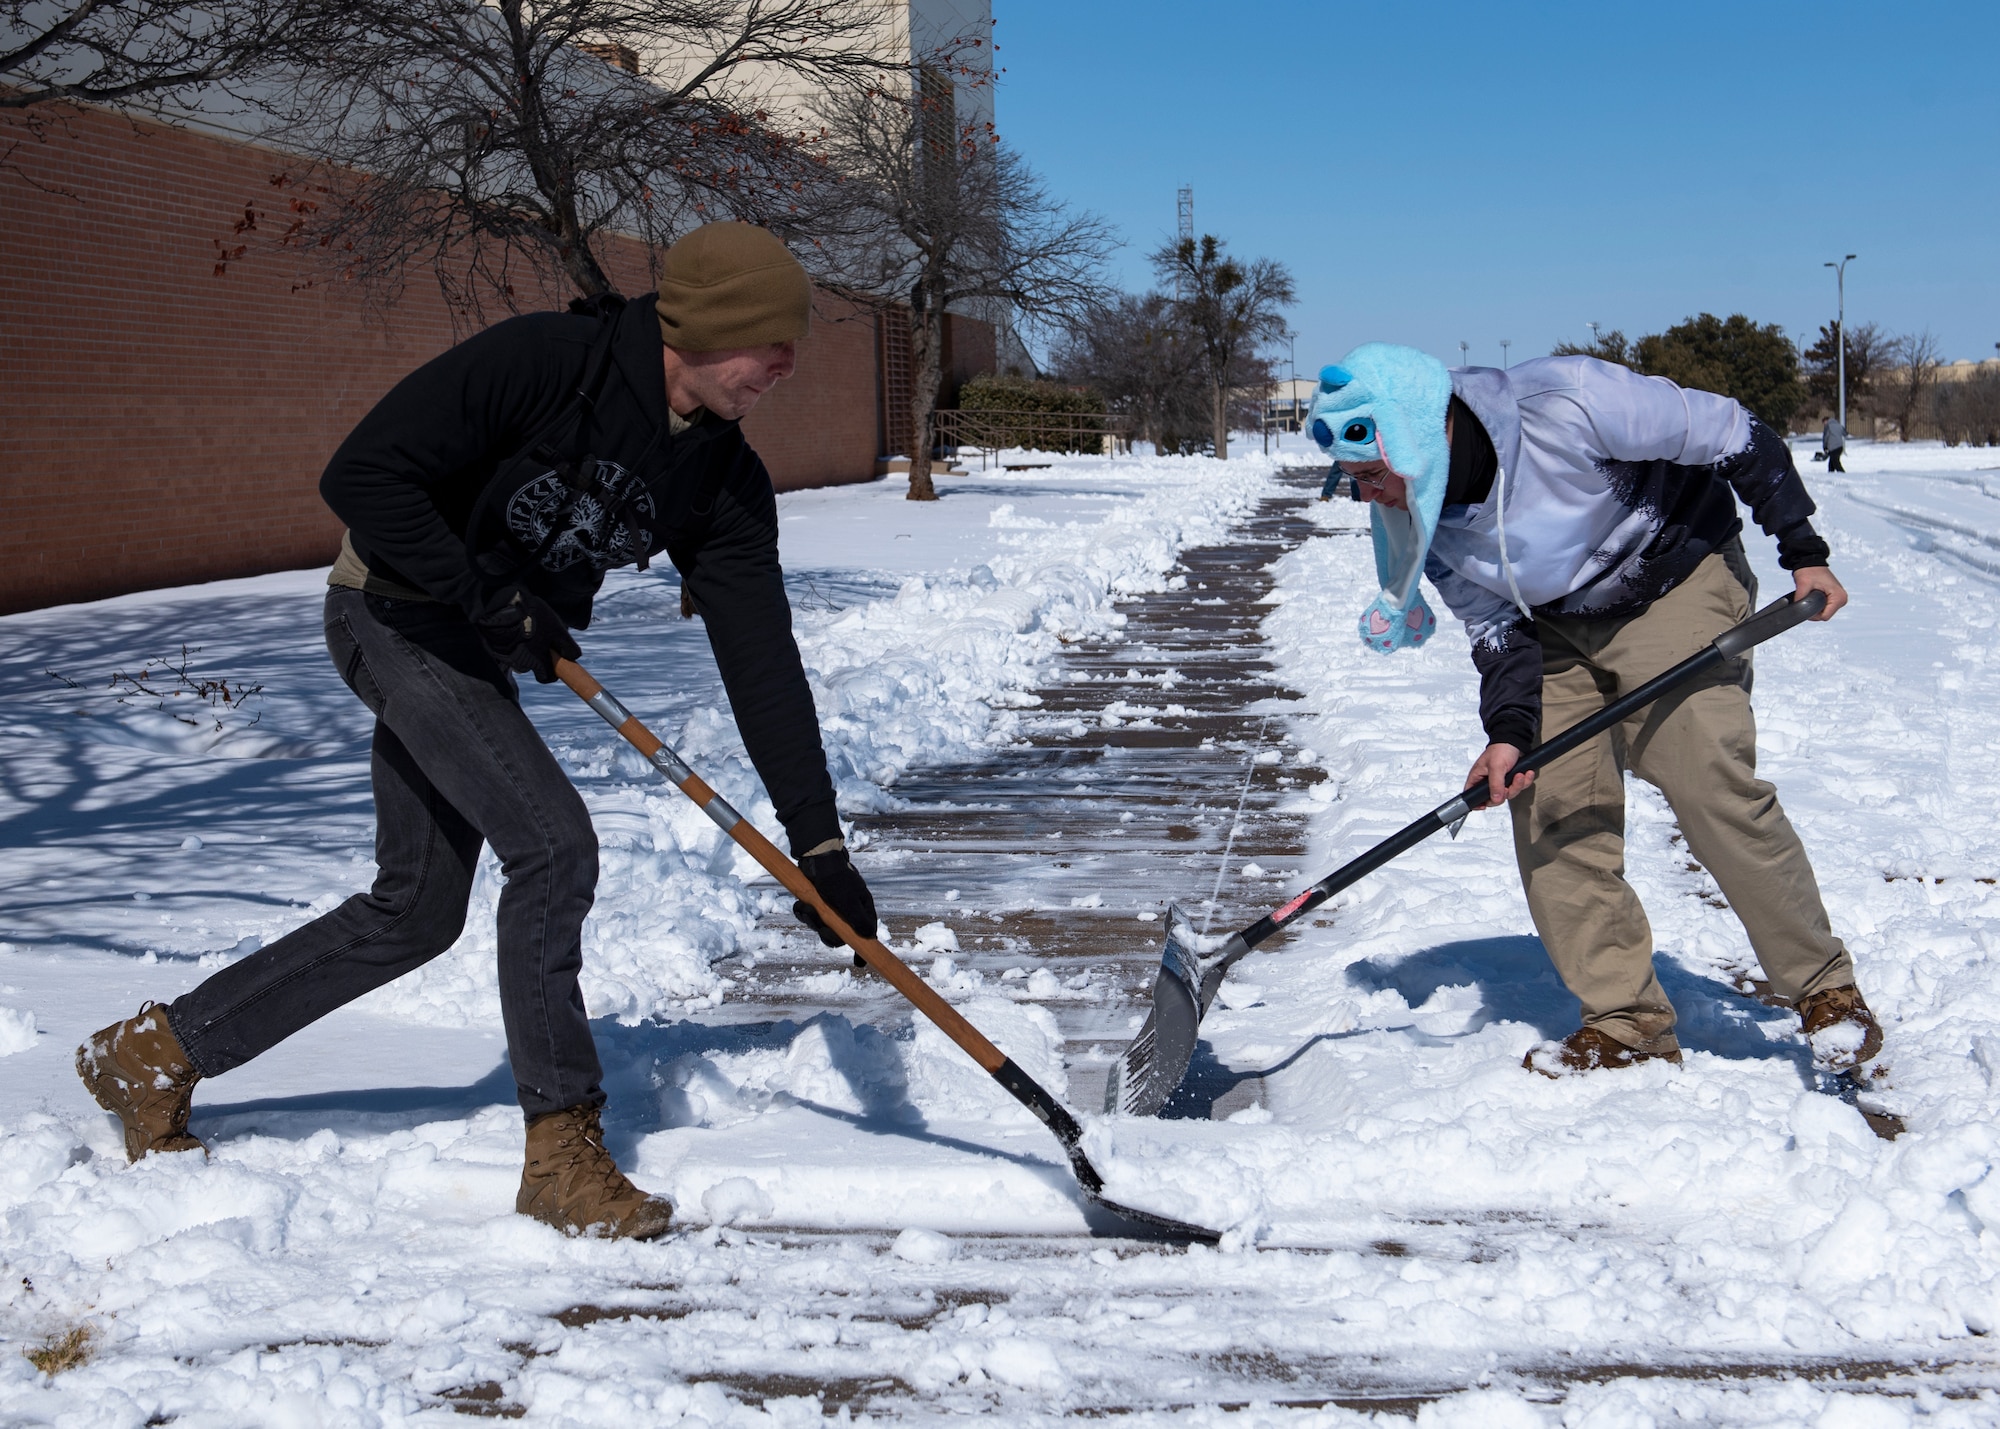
x=437, y=457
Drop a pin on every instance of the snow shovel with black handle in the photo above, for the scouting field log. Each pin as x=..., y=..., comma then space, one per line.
x=1152, y=1068
x=1024, y=1088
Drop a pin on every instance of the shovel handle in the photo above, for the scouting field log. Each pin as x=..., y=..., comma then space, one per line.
x=921, y=995
x=1774, y=619
x=893, y=969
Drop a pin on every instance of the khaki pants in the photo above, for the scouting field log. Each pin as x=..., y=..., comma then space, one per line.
x=1697, y=746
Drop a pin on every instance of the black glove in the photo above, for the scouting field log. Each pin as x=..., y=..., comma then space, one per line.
x=523, y=632
x=837, y=881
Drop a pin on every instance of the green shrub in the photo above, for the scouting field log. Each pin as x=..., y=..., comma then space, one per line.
x=1023, y=394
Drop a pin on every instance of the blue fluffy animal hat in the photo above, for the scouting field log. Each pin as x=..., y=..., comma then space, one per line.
x=1387, y=403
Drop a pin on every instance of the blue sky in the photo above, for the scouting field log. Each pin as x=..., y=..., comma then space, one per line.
x=1446, y=170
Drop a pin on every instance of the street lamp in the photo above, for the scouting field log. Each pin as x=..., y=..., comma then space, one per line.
x=1504, y=344
x=1292, y=362
x=1594, y=338
x=1463, y=348
x=1840, y=331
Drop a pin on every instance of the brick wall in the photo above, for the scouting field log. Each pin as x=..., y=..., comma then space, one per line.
x=818, y=427
x=161, y=425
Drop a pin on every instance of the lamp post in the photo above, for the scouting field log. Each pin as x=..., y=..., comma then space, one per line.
x=1463, y=348
x=1840, y=332
x=1504, y=344
x=1292, y=364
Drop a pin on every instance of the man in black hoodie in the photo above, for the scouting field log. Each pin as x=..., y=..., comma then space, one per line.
x=485, y=496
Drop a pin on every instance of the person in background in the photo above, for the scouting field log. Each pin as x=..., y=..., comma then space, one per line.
x=1833, y=441
x=1582, y=521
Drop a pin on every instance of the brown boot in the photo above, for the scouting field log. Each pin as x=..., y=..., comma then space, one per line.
x=138, y=1072
x=1843, y=1032
x=1587, y=1049
x=570, y=1182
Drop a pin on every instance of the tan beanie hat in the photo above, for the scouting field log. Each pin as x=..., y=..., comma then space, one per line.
x=732, y=285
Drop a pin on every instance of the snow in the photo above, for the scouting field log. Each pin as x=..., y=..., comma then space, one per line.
x=1402, y=1196
x=17, y=1031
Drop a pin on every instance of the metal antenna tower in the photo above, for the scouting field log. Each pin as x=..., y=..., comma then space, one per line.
x=1184, y=230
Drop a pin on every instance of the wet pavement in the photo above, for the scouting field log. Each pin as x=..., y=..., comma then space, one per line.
x=1058, y=857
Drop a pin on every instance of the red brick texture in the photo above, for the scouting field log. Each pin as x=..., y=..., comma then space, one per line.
x=161, y=424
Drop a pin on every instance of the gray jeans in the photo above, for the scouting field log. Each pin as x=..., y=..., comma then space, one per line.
x=455, y=763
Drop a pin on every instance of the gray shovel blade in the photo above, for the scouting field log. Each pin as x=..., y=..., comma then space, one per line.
x=1152, y=1067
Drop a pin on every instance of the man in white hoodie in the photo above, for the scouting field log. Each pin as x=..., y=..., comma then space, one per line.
x=1582, y=521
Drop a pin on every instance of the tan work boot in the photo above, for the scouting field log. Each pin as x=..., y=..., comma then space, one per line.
x=1843, y=1032
x=1587, y=1049
x=138, y=1072
x=570, y=1182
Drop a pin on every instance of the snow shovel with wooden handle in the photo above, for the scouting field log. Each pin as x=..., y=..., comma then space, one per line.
x=1022, y=1087
x=1153, y=1066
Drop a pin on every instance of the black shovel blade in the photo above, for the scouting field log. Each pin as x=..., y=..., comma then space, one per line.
x=1153, y=1066
x=1151, y=1226
x=1052, y=1114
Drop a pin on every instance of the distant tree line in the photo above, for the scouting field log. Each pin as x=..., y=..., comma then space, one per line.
x=1895, y=377
x=1755, y=364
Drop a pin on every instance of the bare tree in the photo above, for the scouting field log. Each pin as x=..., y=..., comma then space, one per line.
x=944, y=215
x=496, y=140
x=1146, y=367
x=130, y=51
x=1916, y=359
x=1969, y=411
x=149, y=55
x=1231, y=308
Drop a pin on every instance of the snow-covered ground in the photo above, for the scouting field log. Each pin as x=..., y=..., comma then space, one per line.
x=1405, y=1197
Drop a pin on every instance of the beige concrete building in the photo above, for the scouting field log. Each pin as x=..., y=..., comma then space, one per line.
x=946, y=44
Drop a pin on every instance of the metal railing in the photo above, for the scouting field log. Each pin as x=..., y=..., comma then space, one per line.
x=995, y=431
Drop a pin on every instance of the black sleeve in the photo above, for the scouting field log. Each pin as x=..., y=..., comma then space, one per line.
x=416, y=461
x=1766, y=480
x=1510, y=685
x=733, y=577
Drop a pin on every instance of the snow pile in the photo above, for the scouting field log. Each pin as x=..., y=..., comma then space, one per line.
x=671, y=900
x=17, y=1031
x=828, y=1063
x=934, y=673
x=914, y=1076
